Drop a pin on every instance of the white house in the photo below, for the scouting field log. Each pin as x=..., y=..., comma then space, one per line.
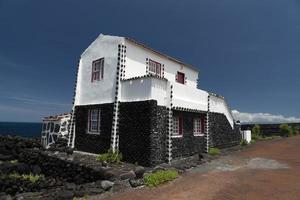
x=146, y=104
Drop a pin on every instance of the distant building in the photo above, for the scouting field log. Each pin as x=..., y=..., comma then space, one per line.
x=146, y=104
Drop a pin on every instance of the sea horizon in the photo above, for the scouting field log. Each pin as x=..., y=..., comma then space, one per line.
x=23, y=129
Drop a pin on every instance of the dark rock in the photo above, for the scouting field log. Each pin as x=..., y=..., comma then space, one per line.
x=3, y=196
x=65, y=194
x=158, y=168
x=106, y=185
x=6, y=157
x=36, y=169
x=139, y=171
x=136, y=182
x=128, y=175
x=200, y=156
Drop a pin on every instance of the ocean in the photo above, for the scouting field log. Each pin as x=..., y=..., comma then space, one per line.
x=24, y=129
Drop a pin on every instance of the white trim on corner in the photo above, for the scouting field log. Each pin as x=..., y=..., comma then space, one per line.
x=92, y=133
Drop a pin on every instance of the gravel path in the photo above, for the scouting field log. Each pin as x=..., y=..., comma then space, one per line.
x=264, y=170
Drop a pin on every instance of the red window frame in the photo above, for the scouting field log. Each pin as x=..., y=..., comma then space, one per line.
x=180, y=78
x=97, y=70
x=94, y=121
x=177, y=126
x=155, y=67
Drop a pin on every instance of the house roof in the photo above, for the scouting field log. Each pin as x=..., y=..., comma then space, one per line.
x=161, y=54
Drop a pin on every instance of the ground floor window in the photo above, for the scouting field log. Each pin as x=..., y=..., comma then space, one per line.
x=198, y=126
x=177, y=126
x=94, y=121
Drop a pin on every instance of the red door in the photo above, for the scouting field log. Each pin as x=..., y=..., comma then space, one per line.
x=180, y=77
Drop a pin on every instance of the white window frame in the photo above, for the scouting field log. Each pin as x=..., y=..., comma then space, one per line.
x=197, y=126
x=90, y=120
x=176, y=126
x=97, y=68
x=154, y=66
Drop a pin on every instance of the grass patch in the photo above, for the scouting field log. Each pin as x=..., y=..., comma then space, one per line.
x=243, y=143
x=30, y=177
x=110, y=157
x=213, y=151
x=159, y=177
x=13, y=161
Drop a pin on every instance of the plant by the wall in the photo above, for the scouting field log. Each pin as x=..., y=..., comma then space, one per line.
x=110, y=157
x=159, y=177
x=31, y=177
x=243, y=143
x=213, y=151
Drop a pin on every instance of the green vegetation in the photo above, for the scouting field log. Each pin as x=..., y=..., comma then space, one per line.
x=30, y=177
x=159, y=177
x=213, y=151
x=296, y=130
x=256, y=133
x=286, y=130
x=110, y=157
x=13, y=161
x=243, y=143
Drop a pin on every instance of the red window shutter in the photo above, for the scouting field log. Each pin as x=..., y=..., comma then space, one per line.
x=180, y=125
x=202, y=124
x=180, y=77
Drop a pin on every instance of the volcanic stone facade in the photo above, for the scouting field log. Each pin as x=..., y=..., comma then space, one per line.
x=93, y=143
x=143, y=132
x=188, y=144
x=221, y=134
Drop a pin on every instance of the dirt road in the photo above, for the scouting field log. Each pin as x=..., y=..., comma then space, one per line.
x=265, y=170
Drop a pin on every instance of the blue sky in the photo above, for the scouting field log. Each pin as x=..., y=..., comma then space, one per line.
x=247, y=51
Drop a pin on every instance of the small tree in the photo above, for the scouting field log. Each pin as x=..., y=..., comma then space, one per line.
x=296, y=130
x=285, y=130
x=255, y=132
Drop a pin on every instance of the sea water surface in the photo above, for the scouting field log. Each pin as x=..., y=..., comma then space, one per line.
x=24, y=129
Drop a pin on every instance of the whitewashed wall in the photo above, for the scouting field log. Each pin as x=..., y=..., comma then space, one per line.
x=102, y=91
x=145, y=89
x=188, y=97
x=219, y=105
x=136, y=64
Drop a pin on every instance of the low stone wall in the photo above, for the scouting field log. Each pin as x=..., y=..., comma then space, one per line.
x=188, y=144
x=142, y=132
x=221, y=134
x=90, y=142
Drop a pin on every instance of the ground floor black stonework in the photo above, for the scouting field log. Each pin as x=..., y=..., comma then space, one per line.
x=188, y=143
x=221, y=133
x=143, y=131
x=93, y=142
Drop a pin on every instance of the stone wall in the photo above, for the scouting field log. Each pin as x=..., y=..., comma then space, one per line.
x=188, y=144
x=90, y=142
x=142, y=132
x=221, y=134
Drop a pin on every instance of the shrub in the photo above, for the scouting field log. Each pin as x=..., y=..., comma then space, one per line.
x=296, y=130
x=159, y=177
x=243, y=143
x=110, y=157
x=285, y=130
x=213, y=151
x=30, y=177
x=13, y=161
x=255, y=132
x=252, y=141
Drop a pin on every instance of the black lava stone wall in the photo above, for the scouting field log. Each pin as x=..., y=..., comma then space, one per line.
x=221, y=134
x=90, y=142
x=142, y=132
x=188, y=144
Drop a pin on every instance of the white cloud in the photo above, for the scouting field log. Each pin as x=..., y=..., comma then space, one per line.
x=262, y=118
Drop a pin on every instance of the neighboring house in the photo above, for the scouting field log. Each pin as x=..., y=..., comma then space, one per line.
x=146, y=104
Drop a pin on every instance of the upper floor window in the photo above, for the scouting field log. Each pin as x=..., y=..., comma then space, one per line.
x=94, y=121
x=180, y=78
x=198, y=126
x=97, y=69
x=155, y=67
x=177, y=126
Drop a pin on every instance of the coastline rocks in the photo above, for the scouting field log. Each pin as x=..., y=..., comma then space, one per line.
x=136, y=182
x=128, y=175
